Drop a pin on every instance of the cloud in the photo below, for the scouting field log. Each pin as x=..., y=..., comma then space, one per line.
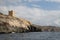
x=37, y=6
x=34, y=0
x=1, y=1
x=15, y=2
x=42, y=0
x=9, y=2
x=31, y=3
x=53, y=0
x=57, y=21
x=35, y=15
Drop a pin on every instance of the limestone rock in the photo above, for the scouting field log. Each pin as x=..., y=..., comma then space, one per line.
x=38, y=28
x=10, y=24
x=13, y=24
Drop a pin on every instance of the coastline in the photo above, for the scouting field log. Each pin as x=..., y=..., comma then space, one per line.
x=12, y=24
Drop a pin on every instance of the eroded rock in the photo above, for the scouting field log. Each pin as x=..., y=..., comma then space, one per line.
x=11, y=23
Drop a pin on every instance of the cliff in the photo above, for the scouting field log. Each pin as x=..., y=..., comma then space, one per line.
x=38, y=28
x=10, y=23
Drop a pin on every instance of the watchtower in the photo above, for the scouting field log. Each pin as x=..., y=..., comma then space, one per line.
x=11, y=13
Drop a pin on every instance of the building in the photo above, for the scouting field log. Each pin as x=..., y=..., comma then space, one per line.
x=11, y=13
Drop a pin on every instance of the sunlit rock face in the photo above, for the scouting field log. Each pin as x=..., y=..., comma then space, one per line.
x=13, y=24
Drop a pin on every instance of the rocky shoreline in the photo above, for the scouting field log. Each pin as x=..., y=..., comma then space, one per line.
x=38, y=28
x=12, y=24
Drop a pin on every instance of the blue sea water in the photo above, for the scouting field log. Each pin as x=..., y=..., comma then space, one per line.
x=31, y=36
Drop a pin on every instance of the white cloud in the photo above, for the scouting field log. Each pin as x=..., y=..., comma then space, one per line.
x=34, y=0
x=8, y=2
x=37, y=6
x=43, y=0
x=53, y=0
x=13, y=1
x=57, y=22
x=5, y=2
x=35, y=15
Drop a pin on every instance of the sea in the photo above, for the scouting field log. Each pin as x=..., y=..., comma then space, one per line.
x=31, y=36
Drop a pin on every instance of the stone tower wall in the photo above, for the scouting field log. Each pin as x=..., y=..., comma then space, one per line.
x=11, y=13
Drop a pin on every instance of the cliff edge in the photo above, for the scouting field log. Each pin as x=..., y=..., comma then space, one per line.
x=9, y=23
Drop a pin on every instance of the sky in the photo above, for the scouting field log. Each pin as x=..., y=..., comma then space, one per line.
x=41, y=12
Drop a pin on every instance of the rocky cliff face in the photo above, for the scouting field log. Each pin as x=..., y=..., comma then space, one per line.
x=9, y=24
x=38, y=28
x=13, y=24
